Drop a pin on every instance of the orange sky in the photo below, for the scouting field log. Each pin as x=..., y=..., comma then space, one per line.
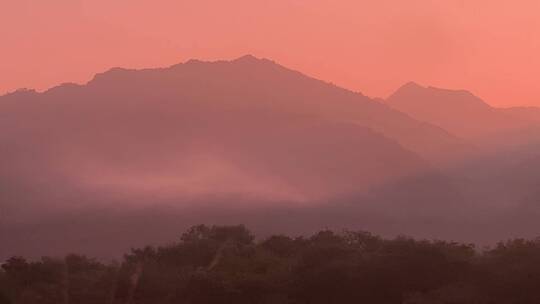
x=490, y=47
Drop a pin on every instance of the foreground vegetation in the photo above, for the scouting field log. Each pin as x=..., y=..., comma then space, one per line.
x=226, y=265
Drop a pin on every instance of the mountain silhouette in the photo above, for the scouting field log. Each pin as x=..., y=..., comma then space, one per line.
x=458, y=111
x=246, y=132
x=245, y=126
x=233, y=141
x=527, y=114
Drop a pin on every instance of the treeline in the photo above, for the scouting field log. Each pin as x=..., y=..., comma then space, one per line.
x=224, y=264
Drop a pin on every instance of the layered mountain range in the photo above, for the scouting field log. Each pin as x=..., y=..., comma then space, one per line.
x=249, y=135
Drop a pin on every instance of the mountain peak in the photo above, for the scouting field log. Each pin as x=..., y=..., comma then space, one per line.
x=247, y=57
x=458, y=111
x=250, y=59
x=411, y=85
x=22, y=92
x=438, y=95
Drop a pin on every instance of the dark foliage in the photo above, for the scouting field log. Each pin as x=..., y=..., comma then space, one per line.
x=226, y=265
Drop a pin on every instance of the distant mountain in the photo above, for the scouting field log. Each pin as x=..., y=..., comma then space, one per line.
x=205, y=138
x=249, y=141
x=502, y=171
x=459, y=112
x=245, y=126
x=263, y=84
x=530, y=114
x=527, y=137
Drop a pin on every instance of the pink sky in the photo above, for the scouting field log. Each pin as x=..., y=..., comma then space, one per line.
x=373, y=46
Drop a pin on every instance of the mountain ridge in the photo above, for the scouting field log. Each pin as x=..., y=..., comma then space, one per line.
x=410, y=133
x=226, y=110
x=458, y=111
x=226, y=133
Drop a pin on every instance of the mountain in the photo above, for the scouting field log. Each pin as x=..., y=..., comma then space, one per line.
x=263, y=84
x=503, y=171
x=205, y=138
x=459, y=112
x=529, y=114
x=135, y=155
x=245, y=126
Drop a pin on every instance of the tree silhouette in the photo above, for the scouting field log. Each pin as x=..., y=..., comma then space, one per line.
x=224, y=264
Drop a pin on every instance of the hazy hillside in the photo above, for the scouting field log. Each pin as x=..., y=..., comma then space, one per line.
x=460, y=112
x=140, y=152
x=503, y=171
x=246, y=126
x=203, y=132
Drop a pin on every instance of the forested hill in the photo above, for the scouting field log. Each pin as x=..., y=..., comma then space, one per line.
x=225, y=264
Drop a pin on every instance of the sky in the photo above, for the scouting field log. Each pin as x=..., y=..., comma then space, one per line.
x=489, y=47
